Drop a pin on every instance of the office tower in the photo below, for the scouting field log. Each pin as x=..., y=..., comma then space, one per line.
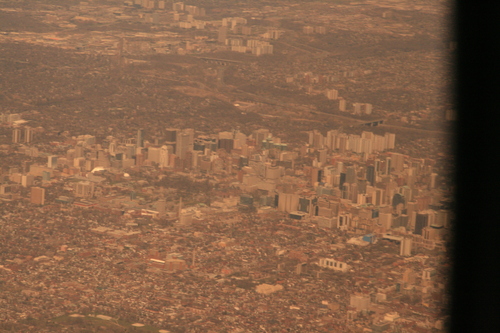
x=79, y=151
x=397, y=161
x=171, y=138
x=27, y=180
x=52, y=161
x=260, y=135
x=139, y=159
x=130, y=151
x=316, y=175
x=16, y=135
x=239, y=140
x=343, y=221
x=184, y=142
x=342, y=180
x=140, y=138
x=443, y=218
x=405, y=247
x=154, y=154
x=28, y=135
x=226, y=144
x=171, y=134
x=422, y=221
x=288, y=202
x=370, y=174
x=112, y=148
x=37, y=195
x=222, y=36
x=84, y=189
x=385, y=220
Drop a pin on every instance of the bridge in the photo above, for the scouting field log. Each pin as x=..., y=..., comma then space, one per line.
x=222, y=62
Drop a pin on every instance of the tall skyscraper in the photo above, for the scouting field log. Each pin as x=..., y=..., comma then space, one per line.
x=164, y=157
x=370, y=174
x=16, y=135
x=28, y=135
x=405, y=247
x=140, y=138
x=171, y=137
x=184, y=142
x=421, y=222
x=52, y=161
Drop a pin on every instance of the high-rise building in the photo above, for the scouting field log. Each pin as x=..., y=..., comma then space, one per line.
x=397, y=161
x=28, y=135
x=184, y=142
x=390, y=140
x=350, y=175
x=370, y=174
x=422, y=221
x=140, y=138
x=226, y=144
x=405, y=247
x=37, y=195
x=154, y=154
x=385, y=219
x=332, y=94
x=79, y=151
x=260, y=135
x=342, y=104
x=52, y=161
x=388, y=166
x=27, y=180
x=316, y=139
x=84, y=189
x=16, y=135
x=343, y=221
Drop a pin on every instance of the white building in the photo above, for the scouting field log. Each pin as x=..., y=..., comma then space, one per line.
x=334, y=264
